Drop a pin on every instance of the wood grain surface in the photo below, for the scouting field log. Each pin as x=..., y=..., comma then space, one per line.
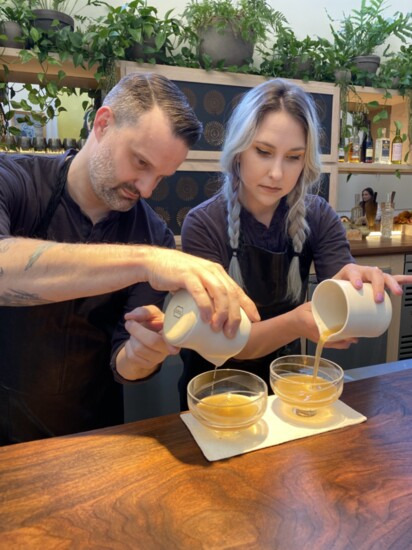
x=147, y=485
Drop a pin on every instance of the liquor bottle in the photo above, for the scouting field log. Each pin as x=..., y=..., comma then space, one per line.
x=341, y=150
x=396, y=149
x=356, y=212
x=368, y=146
x=354, y=152
x=383, y=149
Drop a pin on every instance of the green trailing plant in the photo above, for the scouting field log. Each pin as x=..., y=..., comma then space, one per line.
x=363, y=30
x=41, y=100
x=396, y=71
x=108, y=38
x=255, y=21
x=15, y=10
x=291, y=57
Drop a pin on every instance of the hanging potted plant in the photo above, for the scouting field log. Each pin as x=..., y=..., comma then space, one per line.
x=362, y=31
x=225, y=33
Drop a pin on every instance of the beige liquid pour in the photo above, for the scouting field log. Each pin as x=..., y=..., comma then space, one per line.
x=324, y=337
x=309, y=392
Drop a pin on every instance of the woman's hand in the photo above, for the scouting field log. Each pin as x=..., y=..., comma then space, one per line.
x=308, y=328
x=359, y=274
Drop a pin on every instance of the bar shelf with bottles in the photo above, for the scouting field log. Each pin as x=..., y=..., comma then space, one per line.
x=398, y=110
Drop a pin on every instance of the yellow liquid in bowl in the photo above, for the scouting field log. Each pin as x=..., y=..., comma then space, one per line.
x=305, y=391
x=229, y=410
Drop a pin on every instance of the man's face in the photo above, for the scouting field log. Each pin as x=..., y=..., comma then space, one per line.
x=128, y=162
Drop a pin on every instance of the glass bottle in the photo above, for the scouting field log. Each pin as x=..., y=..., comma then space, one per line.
x=341, y=150
x=387, y=212
x=368, y=146
x=383, y=149
x=356, y=212
x=396, y=149
x=354, y=153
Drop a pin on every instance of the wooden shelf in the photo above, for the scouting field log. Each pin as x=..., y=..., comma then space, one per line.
x=375, y=94
x=373, y=168
x=26, y=72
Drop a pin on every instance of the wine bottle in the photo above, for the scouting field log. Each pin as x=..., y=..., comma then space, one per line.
x=368, y=146
x=396, y=149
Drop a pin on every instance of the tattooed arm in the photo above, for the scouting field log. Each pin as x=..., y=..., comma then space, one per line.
x=34, y=272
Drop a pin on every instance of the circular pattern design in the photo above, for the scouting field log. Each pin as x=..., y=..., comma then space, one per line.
x=236, y=99
x=191, y=97
x=161, y=191
x=214, y=133
x=163, y=213
x=187, y=188
x=214, y=102
x=181, y=215
x=212, y=186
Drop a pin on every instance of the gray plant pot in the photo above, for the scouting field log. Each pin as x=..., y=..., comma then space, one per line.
x=367, y=63
x=342, y=75
x=13, y=32
x=224, y=45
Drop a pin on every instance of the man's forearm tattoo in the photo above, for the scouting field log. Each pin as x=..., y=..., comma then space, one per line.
x=14, y=297
x=37, y=254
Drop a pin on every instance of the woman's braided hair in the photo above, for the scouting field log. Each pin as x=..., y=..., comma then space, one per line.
x=271, y=96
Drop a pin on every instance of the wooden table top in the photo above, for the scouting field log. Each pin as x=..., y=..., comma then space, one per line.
x=375, y=246
x=147, y=485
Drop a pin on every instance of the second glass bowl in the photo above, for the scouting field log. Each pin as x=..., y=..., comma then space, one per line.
x=292, y=380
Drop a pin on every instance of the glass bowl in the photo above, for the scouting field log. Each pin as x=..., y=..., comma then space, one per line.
x=292, y=380
x=227, y=399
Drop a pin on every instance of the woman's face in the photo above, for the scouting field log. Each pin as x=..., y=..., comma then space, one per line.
x=271, y=166
x=366, y=196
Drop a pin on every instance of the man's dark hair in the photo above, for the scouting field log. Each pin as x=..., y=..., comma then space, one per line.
x=136, y=94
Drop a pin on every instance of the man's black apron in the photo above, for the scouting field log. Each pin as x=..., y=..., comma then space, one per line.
x=64, y=385
x=265, y=278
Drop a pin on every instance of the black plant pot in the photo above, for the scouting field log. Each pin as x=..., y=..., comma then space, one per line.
x=44, y=19
x=43, y=23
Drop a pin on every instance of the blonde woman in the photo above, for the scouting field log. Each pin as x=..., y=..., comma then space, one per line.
x=266, y=229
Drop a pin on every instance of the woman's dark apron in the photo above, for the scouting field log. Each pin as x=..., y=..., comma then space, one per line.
x=64, y=385
x=265, y=277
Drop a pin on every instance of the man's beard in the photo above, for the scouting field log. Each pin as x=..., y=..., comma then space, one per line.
x=102, y=176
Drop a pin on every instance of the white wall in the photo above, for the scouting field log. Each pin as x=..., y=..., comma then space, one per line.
x=305, y=17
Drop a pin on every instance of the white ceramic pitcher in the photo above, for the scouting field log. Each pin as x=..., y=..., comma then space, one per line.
x=184, y=328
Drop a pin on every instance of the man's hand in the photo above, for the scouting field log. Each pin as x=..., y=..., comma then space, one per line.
x=216, y=294
x=146, y=348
